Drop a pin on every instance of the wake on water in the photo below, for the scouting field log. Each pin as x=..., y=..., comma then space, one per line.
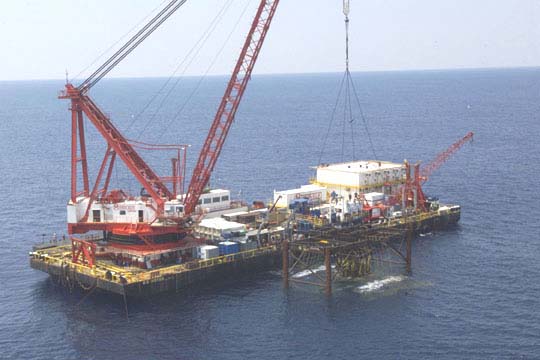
x=305, y=273
x=366, y=288
x=379, y=284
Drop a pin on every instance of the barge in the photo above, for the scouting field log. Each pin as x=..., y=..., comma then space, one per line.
x=258, y=234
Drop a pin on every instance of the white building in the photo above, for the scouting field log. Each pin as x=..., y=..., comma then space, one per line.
x=138, y=209
x=358, y=177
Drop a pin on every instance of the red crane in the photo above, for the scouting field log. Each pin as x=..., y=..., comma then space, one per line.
x=86, y=207
x=411, y=192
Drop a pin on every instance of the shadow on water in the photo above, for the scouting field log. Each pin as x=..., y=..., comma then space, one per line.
x=76, y=299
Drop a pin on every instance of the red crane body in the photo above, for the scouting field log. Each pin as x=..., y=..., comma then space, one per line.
x=119, y=146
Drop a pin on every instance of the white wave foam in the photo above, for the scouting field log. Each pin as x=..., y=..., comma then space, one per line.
x=305, y=273
x=378, y=284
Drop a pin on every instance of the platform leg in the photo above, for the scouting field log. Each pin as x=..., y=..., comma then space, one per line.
x=409, y=250
x=285, y=250
x=328, y=267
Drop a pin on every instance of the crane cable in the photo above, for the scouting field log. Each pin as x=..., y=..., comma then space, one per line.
x=347, y=104
x=184, y=64
x=117, y=41
x=346, y=11
x=131, y=44
x=347, y=84
x=207, y=71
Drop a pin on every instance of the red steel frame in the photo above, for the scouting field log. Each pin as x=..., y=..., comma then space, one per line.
x=94, y=192
x=83, y=252
x=118, y=145
x=77, y=128
x=412, y=192
x=81, y=103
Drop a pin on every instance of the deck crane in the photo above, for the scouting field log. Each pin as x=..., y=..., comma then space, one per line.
x=153, y=226
x=411, y=193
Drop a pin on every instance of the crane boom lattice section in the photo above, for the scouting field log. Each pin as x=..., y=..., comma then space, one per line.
x=230, y=102
x=443, y=156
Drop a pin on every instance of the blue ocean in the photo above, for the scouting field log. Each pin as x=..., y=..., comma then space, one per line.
x=474, y=290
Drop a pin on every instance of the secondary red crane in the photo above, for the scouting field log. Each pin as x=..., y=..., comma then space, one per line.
x=412, y=193
x=87, y=208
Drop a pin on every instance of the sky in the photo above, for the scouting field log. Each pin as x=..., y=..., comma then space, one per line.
x=42, y=39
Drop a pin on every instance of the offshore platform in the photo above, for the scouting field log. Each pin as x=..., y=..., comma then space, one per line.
x=167, y=237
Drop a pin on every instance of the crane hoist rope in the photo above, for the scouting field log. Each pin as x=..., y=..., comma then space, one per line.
x=194, y=91
x=347, y=94
x=186, y=62
x=113, y=45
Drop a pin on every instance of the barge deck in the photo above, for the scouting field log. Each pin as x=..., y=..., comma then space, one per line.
x=56, y=259
x=131, y=281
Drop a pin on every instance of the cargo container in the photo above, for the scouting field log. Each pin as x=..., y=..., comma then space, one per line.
x=228, y=247
x=373, y=198
x=206, y=252
x=218, y=229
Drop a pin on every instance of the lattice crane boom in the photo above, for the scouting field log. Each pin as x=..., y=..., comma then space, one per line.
x=229, y=103
x=441, y=158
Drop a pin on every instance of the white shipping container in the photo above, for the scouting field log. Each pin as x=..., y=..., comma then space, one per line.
x=374, y=196
x=208, y=252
